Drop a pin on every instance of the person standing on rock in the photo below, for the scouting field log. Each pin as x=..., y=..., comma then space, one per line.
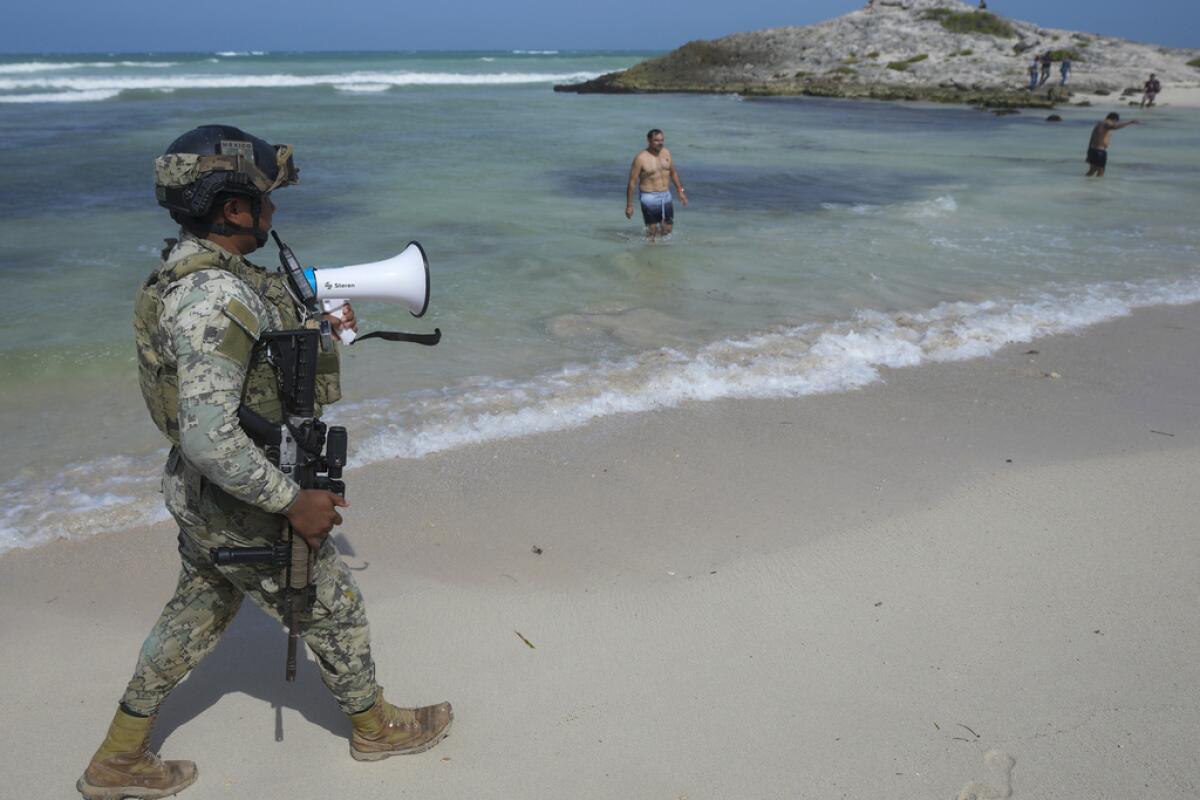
x=1150, y=91
x=1097, y=154
x=652, y=173
x=1047, y=62
x=1065, y=71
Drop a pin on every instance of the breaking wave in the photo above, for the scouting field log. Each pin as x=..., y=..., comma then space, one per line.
x=47, y=87
x=785, y=362
x=49, y=66
x=91, y=96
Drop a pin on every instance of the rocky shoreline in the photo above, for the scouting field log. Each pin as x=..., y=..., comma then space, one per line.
x=943, y=51
x=613, y=83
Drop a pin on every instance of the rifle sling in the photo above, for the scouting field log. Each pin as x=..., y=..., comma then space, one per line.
x=258, y=427
x=427, y=339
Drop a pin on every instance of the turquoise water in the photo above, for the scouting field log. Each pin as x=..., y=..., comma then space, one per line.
x=824, y=239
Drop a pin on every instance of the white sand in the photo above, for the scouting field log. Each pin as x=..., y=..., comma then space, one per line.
x=845, y=596
x=1179, y=95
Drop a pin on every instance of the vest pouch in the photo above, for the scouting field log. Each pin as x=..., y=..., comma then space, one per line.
x=159, y=386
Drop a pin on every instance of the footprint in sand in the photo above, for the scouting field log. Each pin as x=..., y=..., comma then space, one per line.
x=1000, y=764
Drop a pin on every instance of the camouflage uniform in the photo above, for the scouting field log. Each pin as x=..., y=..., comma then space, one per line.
x=196, y=322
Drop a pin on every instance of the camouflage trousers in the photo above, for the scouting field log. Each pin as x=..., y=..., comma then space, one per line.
x=207, y=597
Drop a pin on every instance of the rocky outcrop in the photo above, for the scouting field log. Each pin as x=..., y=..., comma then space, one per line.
x=934, y=50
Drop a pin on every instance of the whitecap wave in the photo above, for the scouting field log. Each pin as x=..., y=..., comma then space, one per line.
x=535, y=52
x=362, y=88
x=50, y=66
x=37, y=66
x=130, y=82
x=932, y=209
x=90, y=96
x=862, y=209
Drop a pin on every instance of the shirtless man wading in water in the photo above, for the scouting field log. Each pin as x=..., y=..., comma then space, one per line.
x=652, y=172
x=1097, y=154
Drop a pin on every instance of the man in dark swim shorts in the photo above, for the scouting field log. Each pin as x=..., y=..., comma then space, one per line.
x=1097, y=154
x=652, y=173
x=657, y=209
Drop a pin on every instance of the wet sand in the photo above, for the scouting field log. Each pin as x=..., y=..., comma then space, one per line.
x=849, y=595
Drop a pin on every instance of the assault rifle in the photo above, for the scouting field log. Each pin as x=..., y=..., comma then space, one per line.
x=308, y=451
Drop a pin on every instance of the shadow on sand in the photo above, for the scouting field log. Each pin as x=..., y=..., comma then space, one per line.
x=250, y=660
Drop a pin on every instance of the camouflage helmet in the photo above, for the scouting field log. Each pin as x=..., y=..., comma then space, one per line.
x=219, y=159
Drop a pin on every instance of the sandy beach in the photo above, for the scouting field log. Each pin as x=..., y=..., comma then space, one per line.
x=1179, y=95
x=847, y=595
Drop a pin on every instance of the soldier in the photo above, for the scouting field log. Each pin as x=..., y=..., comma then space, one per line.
x=197, y=320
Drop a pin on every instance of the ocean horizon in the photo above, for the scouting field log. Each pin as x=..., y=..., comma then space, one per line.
x=826, y=241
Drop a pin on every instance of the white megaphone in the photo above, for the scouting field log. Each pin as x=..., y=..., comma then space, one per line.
x=403, y=278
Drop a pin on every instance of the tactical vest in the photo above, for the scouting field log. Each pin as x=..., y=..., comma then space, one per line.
x=260, y=393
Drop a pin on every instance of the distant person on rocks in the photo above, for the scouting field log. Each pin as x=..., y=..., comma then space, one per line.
x=1033, y=74
x=652, y=173
x=1065, y=71
x=1047, y=62
x=983, y=5
x=1150, y=91
x=1097, y=154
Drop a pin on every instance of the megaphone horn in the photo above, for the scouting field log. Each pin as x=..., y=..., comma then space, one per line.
x=403, y=278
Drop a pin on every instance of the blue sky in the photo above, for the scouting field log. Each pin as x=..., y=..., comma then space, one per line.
x=153, y=25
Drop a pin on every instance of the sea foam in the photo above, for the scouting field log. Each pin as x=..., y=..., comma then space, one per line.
x=49, y=66
x=42, y=84
x=362, y=88
x=115, y=492
x=90, y=96
x=789, y=362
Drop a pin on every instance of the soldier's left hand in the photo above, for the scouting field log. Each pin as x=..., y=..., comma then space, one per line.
x=347, y=320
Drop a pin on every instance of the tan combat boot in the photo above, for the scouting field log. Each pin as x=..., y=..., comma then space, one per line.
x=384, y=730
x=125, y=767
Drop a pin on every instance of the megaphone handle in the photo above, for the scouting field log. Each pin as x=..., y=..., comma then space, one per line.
x=334, y=309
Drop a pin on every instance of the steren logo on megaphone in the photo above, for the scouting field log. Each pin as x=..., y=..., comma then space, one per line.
x=403, y=278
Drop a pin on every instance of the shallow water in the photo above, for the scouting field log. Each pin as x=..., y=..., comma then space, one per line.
x=824, y=239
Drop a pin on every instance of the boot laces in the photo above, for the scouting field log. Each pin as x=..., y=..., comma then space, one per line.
x=396, y=717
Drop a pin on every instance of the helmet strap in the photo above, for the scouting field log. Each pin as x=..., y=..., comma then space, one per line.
x=229, y=229
x=260, y=236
